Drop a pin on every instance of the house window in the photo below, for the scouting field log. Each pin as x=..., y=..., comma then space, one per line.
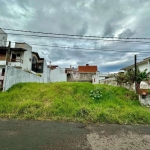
x=3, y=71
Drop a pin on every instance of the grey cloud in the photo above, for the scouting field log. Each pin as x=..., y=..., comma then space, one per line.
x=92, y=17
x=127, y=33
x=83, y=29
x=24, y=3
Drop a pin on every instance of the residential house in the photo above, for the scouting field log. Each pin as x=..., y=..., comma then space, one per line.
x=142, y=65
x=40, y=67
x=3, y=41
x=17, y=57
x=22, y=57
x=82, y=74
x=37, y=63
x=96, y=78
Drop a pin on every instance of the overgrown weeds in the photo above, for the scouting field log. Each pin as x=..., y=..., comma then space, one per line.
x=72, y=102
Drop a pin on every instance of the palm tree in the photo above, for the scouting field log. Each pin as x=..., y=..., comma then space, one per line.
x=142, y=76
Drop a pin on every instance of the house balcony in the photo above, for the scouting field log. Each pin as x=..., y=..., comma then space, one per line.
x=16, y=62
x=2, y=62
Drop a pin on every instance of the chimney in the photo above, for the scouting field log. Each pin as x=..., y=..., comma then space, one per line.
x=87, y=64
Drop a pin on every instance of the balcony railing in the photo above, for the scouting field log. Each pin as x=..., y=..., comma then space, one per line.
x=17, y=60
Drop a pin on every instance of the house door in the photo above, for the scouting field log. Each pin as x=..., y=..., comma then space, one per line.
x=3, y=71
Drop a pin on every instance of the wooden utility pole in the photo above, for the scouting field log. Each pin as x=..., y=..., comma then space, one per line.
x=135, y=75
x=8, y=53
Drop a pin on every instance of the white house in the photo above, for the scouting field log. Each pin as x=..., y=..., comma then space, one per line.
x=142, y=65
x=58, y=75
x=23, y=58
x=40, y=67
x=97, y=77
x=3, y=38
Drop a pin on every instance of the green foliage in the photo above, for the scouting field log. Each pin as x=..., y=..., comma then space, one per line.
x=71, y=102
x=121, y=78
x=129, y=76
x=142, y=75
x=96, y=93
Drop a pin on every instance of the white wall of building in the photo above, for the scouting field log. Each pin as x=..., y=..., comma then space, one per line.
x=27, y=57
x=14, y=75
x=46, y=72
x=97, y=77
x=144, y=66
x=58, y=75
x=3, y=38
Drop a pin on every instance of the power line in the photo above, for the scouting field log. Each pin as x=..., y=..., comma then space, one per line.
x=73, y=35
x=57, y=37
x=80, y=48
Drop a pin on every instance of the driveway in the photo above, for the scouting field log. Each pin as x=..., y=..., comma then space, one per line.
x=47, y=135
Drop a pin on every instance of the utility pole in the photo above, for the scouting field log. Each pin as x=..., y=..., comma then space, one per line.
x=135, y=75
x=8, y=53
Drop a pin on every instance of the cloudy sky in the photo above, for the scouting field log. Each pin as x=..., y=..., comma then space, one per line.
x=102, y=18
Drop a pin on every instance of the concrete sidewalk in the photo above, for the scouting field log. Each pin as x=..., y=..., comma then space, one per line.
x=47, y=135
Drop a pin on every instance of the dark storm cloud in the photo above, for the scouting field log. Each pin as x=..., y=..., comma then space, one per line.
x=119, y=18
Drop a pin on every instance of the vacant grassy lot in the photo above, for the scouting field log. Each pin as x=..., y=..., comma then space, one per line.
x=72, y=102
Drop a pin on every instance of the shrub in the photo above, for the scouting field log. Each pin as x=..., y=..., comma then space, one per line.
x=96, y=93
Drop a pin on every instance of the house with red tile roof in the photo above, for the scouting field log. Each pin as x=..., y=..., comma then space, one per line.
x=82, y=74
x=87, y=69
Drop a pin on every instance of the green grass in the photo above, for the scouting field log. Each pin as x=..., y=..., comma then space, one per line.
x=71, y=102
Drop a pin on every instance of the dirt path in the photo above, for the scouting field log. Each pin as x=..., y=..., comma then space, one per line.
x=46, y=135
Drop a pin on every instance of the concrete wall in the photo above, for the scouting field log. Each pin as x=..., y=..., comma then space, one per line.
x=113, y=82
x=3, y=38
x=80, y=77
x=97, y=77
x=144, y=66
x=13, y=76
x=58, y=75
x=46, y=72
x=27, y=57
x=144, y=100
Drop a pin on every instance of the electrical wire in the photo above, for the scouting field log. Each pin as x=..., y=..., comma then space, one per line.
x=73, y=35
x=58, y=37
x=87, y=49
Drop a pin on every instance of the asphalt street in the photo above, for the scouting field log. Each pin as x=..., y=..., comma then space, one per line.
x=48, y=135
